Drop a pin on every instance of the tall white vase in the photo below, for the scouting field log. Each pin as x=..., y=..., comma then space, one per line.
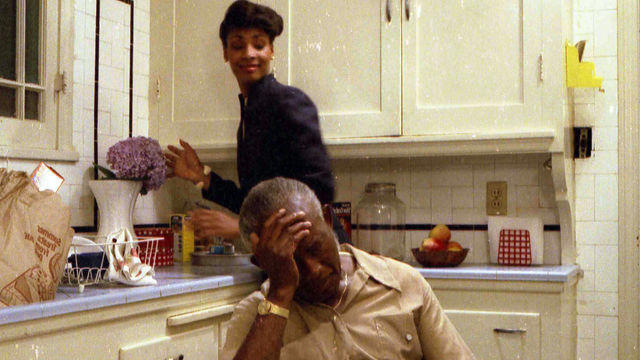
x=116, y=201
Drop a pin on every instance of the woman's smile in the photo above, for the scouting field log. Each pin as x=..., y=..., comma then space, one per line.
x=249, y=53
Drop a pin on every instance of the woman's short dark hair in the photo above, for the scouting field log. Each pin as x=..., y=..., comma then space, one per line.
x=243, y=14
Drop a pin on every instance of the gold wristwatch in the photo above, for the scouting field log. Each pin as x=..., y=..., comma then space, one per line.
x=266, y=307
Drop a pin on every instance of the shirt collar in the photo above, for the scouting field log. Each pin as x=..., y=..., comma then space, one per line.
x=375, y=266
x=256, y=86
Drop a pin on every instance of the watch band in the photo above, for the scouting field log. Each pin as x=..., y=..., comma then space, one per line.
x=266, y=307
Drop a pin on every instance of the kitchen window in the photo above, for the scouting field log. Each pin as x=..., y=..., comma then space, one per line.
x=36, y=51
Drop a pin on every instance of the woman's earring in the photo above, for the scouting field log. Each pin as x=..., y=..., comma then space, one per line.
x=273, y=57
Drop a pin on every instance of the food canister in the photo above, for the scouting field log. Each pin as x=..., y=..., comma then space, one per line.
x=380, y=221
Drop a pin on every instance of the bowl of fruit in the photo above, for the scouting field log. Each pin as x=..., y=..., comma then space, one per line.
x=438, y=250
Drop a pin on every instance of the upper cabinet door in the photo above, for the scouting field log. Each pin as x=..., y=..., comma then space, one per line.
x=193, y=94
x=346, y=56
x=472, y=67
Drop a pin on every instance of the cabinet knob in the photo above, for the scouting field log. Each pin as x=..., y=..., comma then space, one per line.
x=179, y=357
x=509, y=331
x=388, y=11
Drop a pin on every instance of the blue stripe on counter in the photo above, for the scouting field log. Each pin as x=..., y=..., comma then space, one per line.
x=453, y=227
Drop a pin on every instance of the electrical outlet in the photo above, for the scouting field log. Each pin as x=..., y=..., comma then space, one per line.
x=496, y=198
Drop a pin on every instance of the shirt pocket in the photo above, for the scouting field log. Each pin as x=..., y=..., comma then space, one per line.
x=397, y=337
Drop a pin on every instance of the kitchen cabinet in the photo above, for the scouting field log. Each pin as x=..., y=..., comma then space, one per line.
x=191, y=324
x=512, y=319
x=390, y=78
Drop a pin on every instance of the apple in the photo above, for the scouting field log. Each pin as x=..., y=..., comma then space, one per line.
x=441, y=233
x=431, y=244
x=454, y=246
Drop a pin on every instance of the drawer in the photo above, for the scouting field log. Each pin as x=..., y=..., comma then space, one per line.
x=499, y=335
x=201, y=343
x=198, y=344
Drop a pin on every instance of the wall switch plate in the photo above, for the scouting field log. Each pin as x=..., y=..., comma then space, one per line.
x=496, y=198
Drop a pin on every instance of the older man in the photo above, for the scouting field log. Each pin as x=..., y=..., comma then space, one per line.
x=322, y=303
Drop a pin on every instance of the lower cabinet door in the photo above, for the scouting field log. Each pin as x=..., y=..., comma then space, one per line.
x=499, y=335
x=197, y=344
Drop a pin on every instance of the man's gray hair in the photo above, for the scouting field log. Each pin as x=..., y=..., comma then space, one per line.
x=271, y=195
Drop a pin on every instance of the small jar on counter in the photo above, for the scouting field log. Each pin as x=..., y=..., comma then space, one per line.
x=380, y=221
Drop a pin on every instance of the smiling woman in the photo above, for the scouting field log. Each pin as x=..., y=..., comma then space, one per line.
x=278, y=134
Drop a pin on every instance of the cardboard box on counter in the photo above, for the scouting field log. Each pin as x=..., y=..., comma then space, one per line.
x=183, y=237
x=164, y=254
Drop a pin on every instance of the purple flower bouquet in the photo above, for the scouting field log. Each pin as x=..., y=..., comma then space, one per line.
x=136, y=158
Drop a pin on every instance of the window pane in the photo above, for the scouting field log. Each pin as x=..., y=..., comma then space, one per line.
x=32, y=39
x=8, y=102
x=31, y=108
x=7, y=40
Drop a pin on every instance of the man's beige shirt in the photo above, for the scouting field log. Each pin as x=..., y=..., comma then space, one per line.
x=390, y=312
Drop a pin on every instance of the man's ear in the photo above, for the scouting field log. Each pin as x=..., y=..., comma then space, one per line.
x=326, y=213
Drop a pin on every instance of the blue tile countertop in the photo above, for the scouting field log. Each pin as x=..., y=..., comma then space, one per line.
x=172, y=280
x=548, y=273
x=180, y=279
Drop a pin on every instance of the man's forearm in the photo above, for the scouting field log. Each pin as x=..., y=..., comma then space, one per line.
x=264, y=339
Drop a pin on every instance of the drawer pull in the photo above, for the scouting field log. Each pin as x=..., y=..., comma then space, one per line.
x=510, y=331
x=207, y=313
x=179, y=357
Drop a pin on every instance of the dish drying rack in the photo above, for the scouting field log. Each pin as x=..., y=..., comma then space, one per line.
x=88, y=264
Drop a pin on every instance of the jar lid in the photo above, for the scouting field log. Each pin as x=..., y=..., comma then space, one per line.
x=380, y=187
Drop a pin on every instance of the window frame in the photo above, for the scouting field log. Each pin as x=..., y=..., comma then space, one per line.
x=50, y=137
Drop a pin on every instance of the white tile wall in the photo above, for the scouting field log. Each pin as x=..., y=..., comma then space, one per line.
x=597, y=185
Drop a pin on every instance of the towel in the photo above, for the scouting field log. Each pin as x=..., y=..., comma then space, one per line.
x=125, y=265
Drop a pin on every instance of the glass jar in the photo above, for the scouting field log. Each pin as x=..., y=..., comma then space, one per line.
x=380, y=221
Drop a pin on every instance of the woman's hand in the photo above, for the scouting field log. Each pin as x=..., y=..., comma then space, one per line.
x=214, y=223
x=274, y=250
x=185, y=164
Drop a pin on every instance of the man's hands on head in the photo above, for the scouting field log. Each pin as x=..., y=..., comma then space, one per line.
x=274, y=250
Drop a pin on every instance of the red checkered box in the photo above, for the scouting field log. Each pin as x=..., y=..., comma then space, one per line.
x=164, y=255
x=514, y=247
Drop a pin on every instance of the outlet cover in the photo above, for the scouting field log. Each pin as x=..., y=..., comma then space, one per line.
x=496, y=198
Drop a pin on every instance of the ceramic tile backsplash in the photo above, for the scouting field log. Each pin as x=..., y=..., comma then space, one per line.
x=449, y=190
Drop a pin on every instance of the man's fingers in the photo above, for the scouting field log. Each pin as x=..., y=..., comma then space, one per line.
x=299, y=226
x=299, y=236
x=267, y=228
x=286, y=221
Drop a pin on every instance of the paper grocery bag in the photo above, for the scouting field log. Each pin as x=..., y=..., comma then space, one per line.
x=34, y=240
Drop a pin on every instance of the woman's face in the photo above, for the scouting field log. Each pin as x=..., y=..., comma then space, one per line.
x=249, y=54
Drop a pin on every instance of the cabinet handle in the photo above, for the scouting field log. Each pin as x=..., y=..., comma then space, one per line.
x=407, y=8
x=179, y=357
x=388, y=11
x=207, y=313
x=510, y=331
